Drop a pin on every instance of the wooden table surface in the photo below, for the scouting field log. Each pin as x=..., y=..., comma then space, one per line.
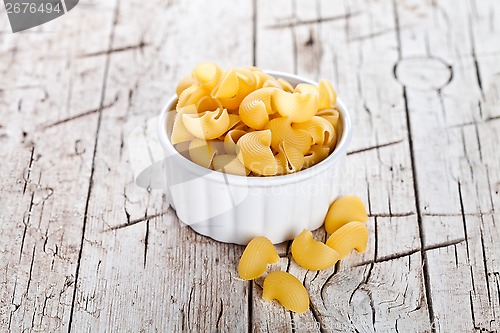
x=83, y=249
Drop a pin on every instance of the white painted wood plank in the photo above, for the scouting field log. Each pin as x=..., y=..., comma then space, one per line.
x=140, y=268
x=46, y=169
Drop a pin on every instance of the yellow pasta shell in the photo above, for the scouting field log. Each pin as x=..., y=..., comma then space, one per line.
x=202, y=152
x=331, y=115
x=311, y=254
x=229, y=163
x=327, y=95
x=343, y=210
x=231, y=139
x=179, y=131
x=228, y=86
x=186, y=82
x=353, y=235
x=320, y=129
x=289, y=159
x=283, y=131
x=207, y=125
x=207, y=103
x=285, y=85
x=256, y=107
x=208, y=74
x=286, y=289
x=306, y=88
x=299, y=107
x=182, y=101
x=271, y=83
x=257, y=255
x=246, y=86
x=255, y=153
x=183, y=149
x=315, y=155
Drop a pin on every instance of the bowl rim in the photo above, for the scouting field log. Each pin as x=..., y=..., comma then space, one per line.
x=267, y=181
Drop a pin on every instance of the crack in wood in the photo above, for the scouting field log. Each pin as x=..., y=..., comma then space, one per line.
x=250, y=306
x=92, y=170
x=133, y=222
x=27, y=179
x=296, y=23
x=362, y=150
x=83, y=114
x=139, y=46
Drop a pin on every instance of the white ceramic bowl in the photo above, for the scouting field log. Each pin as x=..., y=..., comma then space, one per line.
x=235, y=209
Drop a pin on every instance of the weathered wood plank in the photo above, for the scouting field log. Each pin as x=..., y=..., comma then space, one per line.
x=450, y=167
x=46, y=169
x=147, y=271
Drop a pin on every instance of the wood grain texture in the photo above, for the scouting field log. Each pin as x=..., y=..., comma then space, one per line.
x=84, y=249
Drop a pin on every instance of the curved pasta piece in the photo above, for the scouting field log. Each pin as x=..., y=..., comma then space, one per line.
x=306, y=88
x=353, y=235
x=320, y=129
x=231, y=139
x=287, y=290
x=331, y=115
x=283, y=131
x=272, y=83
x=257, y=255
x=179, y=131
x=343, y=210
x=207, y=125
x=207, y=103
x=185, y=95
x=260, y=78
x=183, y=149
x=327, y=95
x=208, y=74
x=246, y=86
x=255, y=153
x=186, y=82
x=299, y=107
x=311, y=254
x=315, y=155
x=228, y=86
x=202, y=152
x=229, y=163
x=285, y=85
x=245, y=75
x=289, y=159
x=256, y=107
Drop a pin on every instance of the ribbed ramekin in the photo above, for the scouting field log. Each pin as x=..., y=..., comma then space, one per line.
x=235, y=209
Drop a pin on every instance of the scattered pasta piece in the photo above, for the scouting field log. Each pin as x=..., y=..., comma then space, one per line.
x=311, y=254
x=287, y=290
x=353, y=235
x=255, y=153
x=343, y=210
x=257, y=255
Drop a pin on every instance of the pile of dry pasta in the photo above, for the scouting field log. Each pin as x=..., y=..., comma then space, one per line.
x=243, y=121
x=345, y=222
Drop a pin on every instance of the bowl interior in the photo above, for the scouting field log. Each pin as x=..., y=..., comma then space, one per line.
x=168, y=116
